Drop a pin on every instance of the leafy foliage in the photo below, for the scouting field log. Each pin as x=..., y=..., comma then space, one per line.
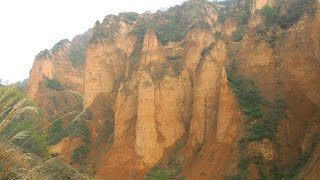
x=77, y=56
x=268, y=125
x=174, y=57
x=206, y=50
x=55, y=132
x=80, y=153
x=77, y=52
x=270, y=14
x=160, y=173
x=54, y=84
x=79, y=129
x=247, y=92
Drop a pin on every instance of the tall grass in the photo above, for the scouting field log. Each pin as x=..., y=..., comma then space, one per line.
x=15, y=163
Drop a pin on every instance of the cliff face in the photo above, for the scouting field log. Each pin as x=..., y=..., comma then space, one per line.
x=203, y=90
x=57, y=76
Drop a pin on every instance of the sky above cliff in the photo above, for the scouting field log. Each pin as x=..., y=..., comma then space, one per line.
x=28, y=27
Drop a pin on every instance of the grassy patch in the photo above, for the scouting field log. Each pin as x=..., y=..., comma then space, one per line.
x=26, y=118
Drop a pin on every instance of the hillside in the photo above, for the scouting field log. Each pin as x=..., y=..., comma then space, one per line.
x=203, y=90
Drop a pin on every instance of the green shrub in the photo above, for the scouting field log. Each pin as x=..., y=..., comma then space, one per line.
x=44, y=54
x=174, y=57
x=270, y=14
x=141, y=29
x=267, y=126
x=243, y=166
x=129, y=17
x=206, y=50
x=54, y=84
x=244, y=14
x=55, y=132
x=254, y=105
x=238, y=35
x=246, y=91
x=218, y=35
x=80, y=153
x=295, y=169
x=263, y=118
x=57, y=47
x=77, y=56
x=160, y=173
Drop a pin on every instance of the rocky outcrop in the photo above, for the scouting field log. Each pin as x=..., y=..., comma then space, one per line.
x=56, y=79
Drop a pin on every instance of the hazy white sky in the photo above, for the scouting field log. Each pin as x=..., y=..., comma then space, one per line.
x=30, y=26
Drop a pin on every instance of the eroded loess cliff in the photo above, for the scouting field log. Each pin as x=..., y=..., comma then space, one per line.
x=201, y=91
x=56, y=79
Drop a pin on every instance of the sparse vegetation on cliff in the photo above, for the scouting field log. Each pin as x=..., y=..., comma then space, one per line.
x=270, y=14
x=174, y=57
x=77, y=56
x=54, y=84
x=295, y=10
x=57, y=47
x=254, y=105
x=206, y=50
x=263, y=117
x=247, y=92
x=172, y=25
